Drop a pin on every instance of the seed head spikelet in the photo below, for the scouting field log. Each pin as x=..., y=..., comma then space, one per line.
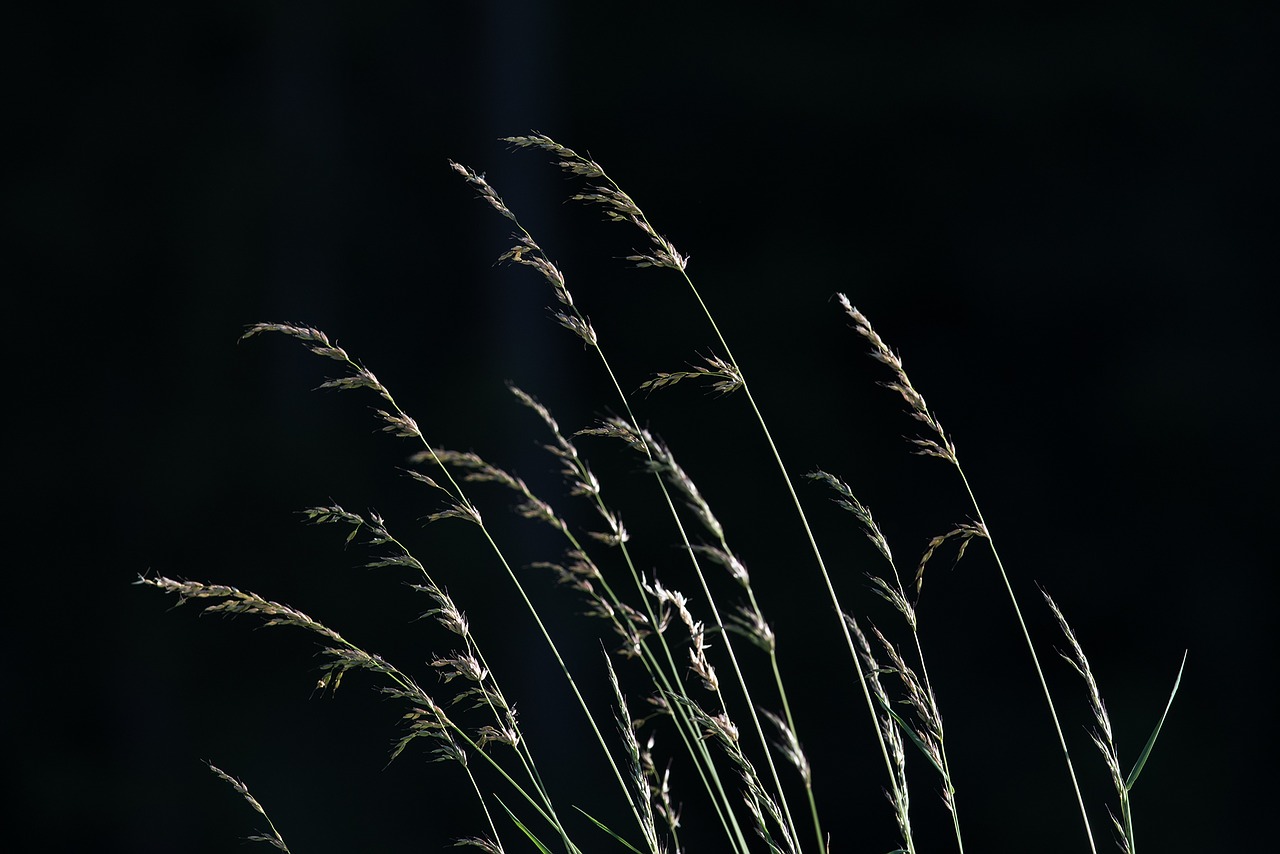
x=273, y=837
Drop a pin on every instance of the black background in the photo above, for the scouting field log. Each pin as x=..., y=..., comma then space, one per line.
x=1061, y=216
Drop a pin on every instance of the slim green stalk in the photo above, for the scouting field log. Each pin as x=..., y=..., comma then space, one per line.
x=813, y=546
x=1035, y=658
x=939, y=445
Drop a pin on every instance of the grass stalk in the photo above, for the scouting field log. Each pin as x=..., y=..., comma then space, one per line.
x=938, y=444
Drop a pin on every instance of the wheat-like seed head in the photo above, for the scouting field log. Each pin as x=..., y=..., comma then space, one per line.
x=899, y=794
x=918, y=697
x=642, y=796
x=577, y=473
x=940, y=444
x=484, y=843
x=1103, y=736
x=317, y=342
x=698, y=660
x=663, y=462
x=274, y=839
x=482, y=187
x=659, y=787
x=570, y=160
x=848, y=501
x=725, y=376
x=789, y=746
x=731, y=562
x=964, y=532
x=617, y=204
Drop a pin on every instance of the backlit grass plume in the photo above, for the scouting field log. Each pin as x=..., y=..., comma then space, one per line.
x=696, y=677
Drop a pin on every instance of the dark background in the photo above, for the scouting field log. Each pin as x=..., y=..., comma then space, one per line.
x=1062, y=217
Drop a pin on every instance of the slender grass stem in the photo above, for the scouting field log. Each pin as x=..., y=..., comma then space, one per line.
x=817, y=555
x=1035, y=658
x=939, y=445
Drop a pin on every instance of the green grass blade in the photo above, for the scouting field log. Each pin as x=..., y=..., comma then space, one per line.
x=526, y=831
x=602, y=826
x=915, y=739
x=1151, y=742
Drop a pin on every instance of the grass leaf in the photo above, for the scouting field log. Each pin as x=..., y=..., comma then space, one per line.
x=1151, y=742
x=602, y=826
x=526, y=831
x=915, y=739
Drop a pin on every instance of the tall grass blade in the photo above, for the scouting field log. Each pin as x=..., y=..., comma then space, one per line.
x=1151, y=742
x=598, y=823
x=523, y=829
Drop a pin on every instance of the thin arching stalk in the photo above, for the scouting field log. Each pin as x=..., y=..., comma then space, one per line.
x=619, y=206
x=938, y=444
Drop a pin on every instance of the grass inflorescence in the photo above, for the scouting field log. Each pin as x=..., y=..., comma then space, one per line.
x=683, y=663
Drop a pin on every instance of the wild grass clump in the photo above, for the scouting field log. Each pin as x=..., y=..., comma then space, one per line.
x=684, y=663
